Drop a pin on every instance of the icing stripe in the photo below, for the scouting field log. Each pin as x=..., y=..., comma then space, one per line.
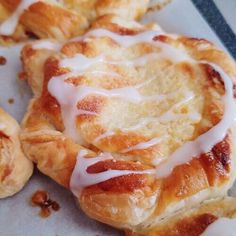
x=143, y=145
x=8, y=27
x=81, y=178
x=185, y=153
x=205, y=142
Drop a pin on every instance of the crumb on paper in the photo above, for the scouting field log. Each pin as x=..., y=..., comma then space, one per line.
x=11, y=100
x=3, y=61
x=22, y=75
x=41, y=199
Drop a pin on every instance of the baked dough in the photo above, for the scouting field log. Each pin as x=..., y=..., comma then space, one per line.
x=195, y=221
x=43, y=19
x=127, y=9
x=60, y=21
x=15, y=168
x=137, y=122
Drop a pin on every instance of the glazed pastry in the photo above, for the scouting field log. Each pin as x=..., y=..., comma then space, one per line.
x=127, y=9
x=139, y=124
x=43, y=19
x=50, y=19
x=214, y=218
x=15, y=168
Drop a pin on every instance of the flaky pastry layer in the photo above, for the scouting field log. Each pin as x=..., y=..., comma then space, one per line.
x=134, y=201
x=61, y=21
x=195, y=221
x=15, y=168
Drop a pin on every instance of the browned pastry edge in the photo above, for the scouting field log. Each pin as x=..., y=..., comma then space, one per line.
x=15, y=168
x=45, y=19
x=193, y=222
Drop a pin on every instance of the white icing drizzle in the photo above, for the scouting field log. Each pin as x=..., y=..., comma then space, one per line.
x=124, y=40
x=142, y=123
x=71, y=95
x=8, y=27
x=144, y=37
x=104, y=135
x=205, y=142
x=202, y=144
x=67, y=95
x=78, y=64
x=46, y=44
x=170, y=115
x=145, y=83
x=81, y=178
x=84, y=112
x=222, y=226
x=143, y=145
x=194, y=116
x=82, y=62
x=80, y=92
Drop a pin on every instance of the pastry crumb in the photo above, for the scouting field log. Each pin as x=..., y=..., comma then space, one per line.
x=3, y=61
x=11, y=100
x=41, y=199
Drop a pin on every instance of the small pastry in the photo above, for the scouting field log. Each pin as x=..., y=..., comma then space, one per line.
x=50, y=19
x=15, y=168
x=42, y=19
x=138, y=123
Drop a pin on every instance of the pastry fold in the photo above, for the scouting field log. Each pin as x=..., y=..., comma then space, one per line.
x=126, y=9
x=195, y=221
x=43, y=19
x=15, y=168
x=61, y=21
x=131, y=102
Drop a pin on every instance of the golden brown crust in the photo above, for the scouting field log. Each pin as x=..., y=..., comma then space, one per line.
x=34, y=68
x=15, y=168
x=127, y=9
x=47, y=19
x=133, y=200
x=193, y=222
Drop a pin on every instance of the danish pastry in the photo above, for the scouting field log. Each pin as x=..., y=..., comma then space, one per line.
x=139, y=124
x=216, y=218
x=15, y=168
x=43, y=19
x=50, y=19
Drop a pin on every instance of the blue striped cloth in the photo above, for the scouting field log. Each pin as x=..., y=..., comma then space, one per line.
x=221, y=16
